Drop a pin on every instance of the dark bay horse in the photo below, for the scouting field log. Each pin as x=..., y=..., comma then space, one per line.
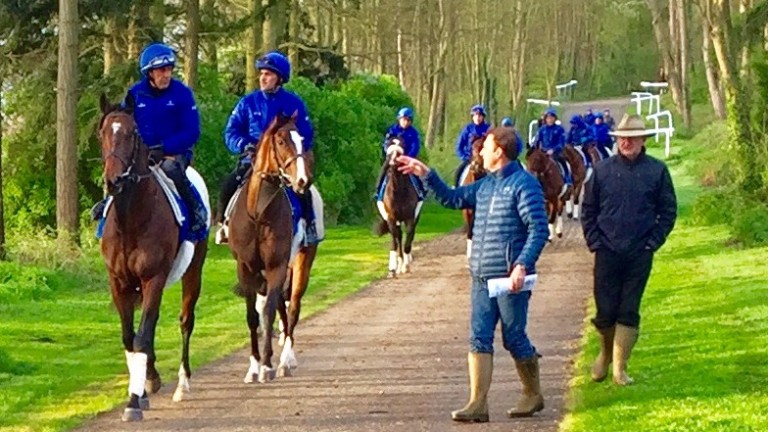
x=400, y=207
x=579, y=174
x=475, y=172
x=555, y=191
x=139, y=244
x=262, y=242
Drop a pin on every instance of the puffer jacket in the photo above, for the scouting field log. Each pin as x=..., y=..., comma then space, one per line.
x=510, y=219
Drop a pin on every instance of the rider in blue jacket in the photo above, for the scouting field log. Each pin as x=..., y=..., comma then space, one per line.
x=550, y=138
x=602, y=136
x=251, y=117
x=411, y=143
x=169, y=125
x=509, y=122
x=580, y=134
x=476, y=128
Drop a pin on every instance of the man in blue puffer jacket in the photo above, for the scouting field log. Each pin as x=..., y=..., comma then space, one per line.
x=410, y=140
x=476, y=128
x=550, y=138
x=169, y=125
x=510, y=232
x=251, y=117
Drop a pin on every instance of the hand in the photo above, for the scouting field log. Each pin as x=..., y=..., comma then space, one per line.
x=409, y=165
x=249, y=149
x=156, y=155
x=517, y=278
x=550, y=152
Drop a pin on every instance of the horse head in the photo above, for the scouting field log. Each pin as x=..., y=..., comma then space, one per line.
x=537, y=162
x=394, y=149
x=281, y=154
x=476, y=163
x=121, y=150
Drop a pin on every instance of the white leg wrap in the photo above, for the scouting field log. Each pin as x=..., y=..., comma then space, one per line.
x=183, y=386
x=576, y=211
x=318, y=208
x=138, y=371
x=469, y=248
x=559, y=228
x=253, y=370
x=288, y=357
x=551, y=231
x=128, y=358
x=392, y=260
x=400, y=265
x=569, y=206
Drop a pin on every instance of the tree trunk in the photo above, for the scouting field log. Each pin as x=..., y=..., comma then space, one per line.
x=111, y=55
x=66, y=123
x=192, y=42
x=663, y=41
x=2, y=205
x=678, y=23
x=253, y=45
x=293, y=32
x=710, y=68
x=137, y=33
x=157, y=20
x=439, y=77
x=275, y=25
x=209, y=42
x=400, y=65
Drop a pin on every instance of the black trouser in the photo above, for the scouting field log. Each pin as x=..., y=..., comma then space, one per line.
x=175, y=168
x=229, y=185
x=619, y=284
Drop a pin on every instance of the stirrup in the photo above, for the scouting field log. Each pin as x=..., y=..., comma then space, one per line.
x=97, y=211
x=222, y=235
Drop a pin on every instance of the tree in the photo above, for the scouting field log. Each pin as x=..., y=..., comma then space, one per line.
x=192, y=42
x=2, y=207
x=66, y=123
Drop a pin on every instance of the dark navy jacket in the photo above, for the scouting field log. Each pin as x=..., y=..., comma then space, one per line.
x=510, y=219
x=410, y=136
x=166, y=117
x=629, y=205
x=255, y=111
x=464, y=142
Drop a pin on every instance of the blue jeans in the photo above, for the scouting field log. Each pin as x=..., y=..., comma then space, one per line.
x=512, y=309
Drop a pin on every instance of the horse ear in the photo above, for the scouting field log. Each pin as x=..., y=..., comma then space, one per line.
x=104, y=104
x=129, y=103
x=295, y=115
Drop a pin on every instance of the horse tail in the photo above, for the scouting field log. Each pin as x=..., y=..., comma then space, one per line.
x=381, y=228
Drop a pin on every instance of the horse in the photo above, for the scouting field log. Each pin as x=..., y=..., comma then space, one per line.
x=475, y=171
x=556, y=192
x=399, y=207
x=594, y=154
x=579, y=173
x=271, y=262
x=139, y=244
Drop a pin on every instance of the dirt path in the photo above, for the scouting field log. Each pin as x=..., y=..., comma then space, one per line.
x=392, y=357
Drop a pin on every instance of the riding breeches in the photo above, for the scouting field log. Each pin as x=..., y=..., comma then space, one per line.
x=229, y=185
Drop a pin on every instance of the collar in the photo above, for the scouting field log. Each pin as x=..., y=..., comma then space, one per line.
x=637, y=160
x=272, y=94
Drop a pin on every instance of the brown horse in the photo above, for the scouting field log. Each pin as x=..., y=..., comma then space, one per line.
x=579, y=174
x=556, y=193
x=399, y=207
x=594, y=154
x=475, y=171
x=139, y=244
x=262, y=242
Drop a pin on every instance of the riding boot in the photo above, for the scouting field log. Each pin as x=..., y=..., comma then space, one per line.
x=309, y=216
x=531, y=401
x=229, y=186
x=196, y=208
x=97, y=211
x=480, y=374
x=603, y=361
x=623, y=342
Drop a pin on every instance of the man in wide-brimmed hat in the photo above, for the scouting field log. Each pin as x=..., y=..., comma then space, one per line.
x=629, y=210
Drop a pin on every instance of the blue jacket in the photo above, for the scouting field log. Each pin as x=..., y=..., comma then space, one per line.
x=410, y=137
x=255, y=111
x=580, y=133
x=550, y=138
x=602, y=135
x=166, y=117
x=464, y=142
x=510, y=219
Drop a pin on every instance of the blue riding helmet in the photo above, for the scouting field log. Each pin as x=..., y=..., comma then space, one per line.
x=276, y=62
x=405, y=112
x=155, y=56
x=508, y=122
x=598, y=115
x=551, y=111
x=478, y=109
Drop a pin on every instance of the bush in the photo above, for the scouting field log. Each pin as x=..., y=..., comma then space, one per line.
x=750, y=225
x=716, y=206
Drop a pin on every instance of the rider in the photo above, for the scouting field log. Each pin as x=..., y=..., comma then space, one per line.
x=589, y=117
x=603, y=139
x=476, y=128
x=169, y=125
x=509, y=122
x=580, y=134
x=608, y=119
x=411, y=143
x=251, y=117
x=551, y=139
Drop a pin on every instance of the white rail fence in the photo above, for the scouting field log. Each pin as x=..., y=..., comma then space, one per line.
x=663, y=124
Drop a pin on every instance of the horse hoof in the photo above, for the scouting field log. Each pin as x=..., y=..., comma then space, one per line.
x=178, y=395
x=153, y=385
x=559, y=235
x=132, y=415
x=144, y=403
x=266, y=375
x=284, y=372
x=249, y=378
x=570, y=215
x=391, y=274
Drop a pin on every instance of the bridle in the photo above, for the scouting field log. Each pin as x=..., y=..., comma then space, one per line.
x=128, y=174
x=282, y=164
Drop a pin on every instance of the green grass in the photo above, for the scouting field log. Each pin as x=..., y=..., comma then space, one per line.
x=61, y=359
x=700, y=363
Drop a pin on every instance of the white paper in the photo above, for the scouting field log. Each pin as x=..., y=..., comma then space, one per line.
x=501, y=286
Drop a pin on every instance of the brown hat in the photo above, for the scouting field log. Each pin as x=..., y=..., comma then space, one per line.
x=632, y=126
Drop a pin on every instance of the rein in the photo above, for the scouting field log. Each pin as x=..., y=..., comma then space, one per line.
x=129, y=174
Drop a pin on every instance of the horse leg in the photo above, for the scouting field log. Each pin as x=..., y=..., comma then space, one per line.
x=410, y=232
x=282, y=323
x=191, y=283
x=551, y=214
x=125, y=300
x=250, y=284
x=144, y=348
x=470, y=228
x=578, y=187
x=275, y=279
x=559, y=226
x=302, y=266
x=393, y=264
x=400, y=254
